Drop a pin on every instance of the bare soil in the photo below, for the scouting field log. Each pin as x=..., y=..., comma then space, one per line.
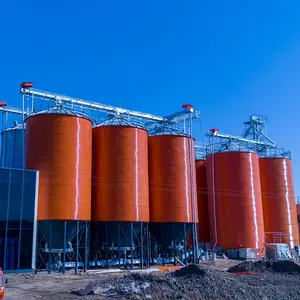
x=192, y=282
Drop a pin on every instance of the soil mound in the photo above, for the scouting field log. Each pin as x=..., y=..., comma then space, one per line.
x=195, y=283
x=258, y=266
x=190, y=270
x=262, y=266
x=286, y=266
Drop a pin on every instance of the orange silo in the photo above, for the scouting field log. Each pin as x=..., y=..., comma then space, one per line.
x=59, y=146
x=170, y=179
x=237, y=216
x=120, y=174
x=279, y=203
x=202, y=196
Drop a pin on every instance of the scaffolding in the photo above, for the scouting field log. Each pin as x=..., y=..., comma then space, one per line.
x=254, y=138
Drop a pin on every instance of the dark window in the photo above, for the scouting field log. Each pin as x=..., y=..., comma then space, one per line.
x=17, y=200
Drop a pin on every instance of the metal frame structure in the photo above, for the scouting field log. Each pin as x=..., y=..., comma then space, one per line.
x=200, y=150
x=119, y=244
x=173, y=243
x=55, y=245
x=150, y=120
x=256, y=130
x=6, y=112
x=254, y=138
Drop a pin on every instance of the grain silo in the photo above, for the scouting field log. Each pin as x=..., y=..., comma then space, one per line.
x=59, y=145
x=173, y=195
x=279, y=202
x=235, y=203
x=12, y=147
x=120, y=194
x=202, y=196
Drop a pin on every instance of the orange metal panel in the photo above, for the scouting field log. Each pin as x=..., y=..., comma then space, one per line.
x=170, y=179
x=298, y=217
x=239, y=215
x=120, y=174
x=202, y=197
x=280, y=214
x=60, y=147
x=298, y=211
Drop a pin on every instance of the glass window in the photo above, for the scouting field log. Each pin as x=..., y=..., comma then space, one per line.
x=4, y=185
x=17, y=200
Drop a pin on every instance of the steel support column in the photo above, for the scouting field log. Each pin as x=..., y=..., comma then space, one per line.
x=77, y=247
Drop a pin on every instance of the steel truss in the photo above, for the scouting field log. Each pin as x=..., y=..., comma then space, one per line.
x=62, y=245
x=98, y=112
x=172, y=243
x=119, y=244
x=254, y=138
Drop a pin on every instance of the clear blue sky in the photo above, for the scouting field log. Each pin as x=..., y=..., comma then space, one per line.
x=228, y=58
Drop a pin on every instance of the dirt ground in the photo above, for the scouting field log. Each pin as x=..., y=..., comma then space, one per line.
x=247, y=281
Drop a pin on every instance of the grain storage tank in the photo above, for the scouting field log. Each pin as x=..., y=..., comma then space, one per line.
x=59, y=145
x=202, y=196
x=120, y=193
x=170, y=160
x=173, y=194
x=279, y=203
x=120, y=174
x=12, y=147
x=238, y=217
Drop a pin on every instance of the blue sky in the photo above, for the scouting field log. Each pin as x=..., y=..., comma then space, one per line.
x=228, y=58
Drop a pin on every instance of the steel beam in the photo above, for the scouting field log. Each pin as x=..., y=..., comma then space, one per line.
x=87, y=104
x=237, y=138
x=61, y=99
x=11, y=110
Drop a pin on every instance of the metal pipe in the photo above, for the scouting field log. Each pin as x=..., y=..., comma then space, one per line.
x=147, y=245
x=106, y=244
x=86, y=247
x=35, y=225
x=214, y=198
x=162, y=243
x=184, y=246
x=23, y=130
x=32, y=102
x=195, y=235
x=50, y=247
x=11, y=110
x=131, y=245
x=5, y=157
x=96, y=242
x=142, y=246
x=119, y=241
x=90, y=105
x=236, y=138
x=173, y=238
x=77, y=247
x=65, y=243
